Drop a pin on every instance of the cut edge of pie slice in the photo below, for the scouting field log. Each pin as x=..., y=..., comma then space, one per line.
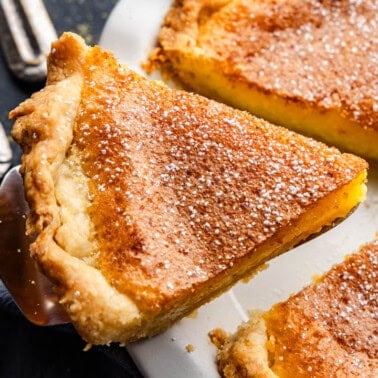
x=148, y=202
x=326, y=329
x=318, y=88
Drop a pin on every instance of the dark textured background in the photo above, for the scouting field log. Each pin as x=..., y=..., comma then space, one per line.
x=26, y=350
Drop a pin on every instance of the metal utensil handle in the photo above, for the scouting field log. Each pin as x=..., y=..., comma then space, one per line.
x=5, y=152
x=26, y=36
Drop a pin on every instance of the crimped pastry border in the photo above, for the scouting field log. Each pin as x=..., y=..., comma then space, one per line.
x=45, y=122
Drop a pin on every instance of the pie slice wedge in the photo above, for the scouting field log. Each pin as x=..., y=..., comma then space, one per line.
x=329, y=329
x=308, y=65
x=149, y=201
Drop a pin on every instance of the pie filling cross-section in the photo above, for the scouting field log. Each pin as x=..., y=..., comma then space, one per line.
x=149, y=201
x=308, y=65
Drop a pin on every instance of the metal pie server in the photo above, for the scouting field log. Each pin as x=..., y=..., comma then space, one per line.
x=31, y=290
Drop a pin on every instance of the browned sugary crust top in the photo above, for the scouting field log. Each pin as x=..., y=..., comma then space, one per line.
x=182, y=186
x=323, y=53
x=330, y=328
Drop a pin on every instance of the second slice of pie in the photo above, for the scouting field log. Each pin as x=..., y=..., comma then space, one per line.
x=148, y=201
x=308, y=65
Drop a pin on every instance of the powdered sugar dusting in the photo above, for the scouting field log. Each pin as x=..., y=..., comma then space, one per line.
x=323, y=52
x=188, y=182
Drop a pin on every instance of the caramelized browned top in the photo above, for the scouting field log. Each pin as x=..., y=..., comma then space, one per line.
x=320, y=52
x=330, y=328
x=183, y=186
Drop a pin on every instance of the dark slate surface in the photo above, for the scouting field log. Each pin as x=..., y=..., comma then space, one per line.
x=26, y=350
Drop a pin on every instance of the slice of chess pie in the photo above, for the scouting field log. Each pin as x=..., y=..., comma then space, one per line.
x=149, y=201
x=329, y=329
x=308, y=65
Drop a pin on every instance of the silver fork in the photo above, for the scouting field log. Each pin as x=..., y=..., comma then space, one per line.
x=26, y=33
x=31, y=290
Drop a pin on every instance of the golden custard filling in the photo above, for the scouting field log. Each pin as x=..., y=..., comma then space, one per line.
x=306, y=65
